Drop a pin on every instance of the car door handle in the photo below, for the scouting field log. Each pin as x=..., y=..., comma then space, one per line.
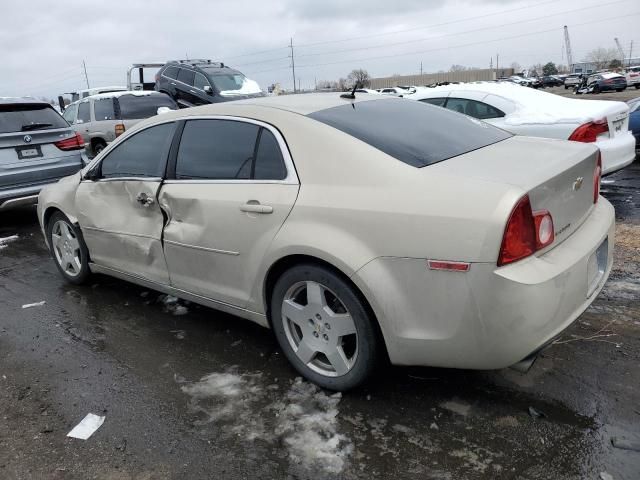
x=145, y=200
x=253, y=206
x=172, y=83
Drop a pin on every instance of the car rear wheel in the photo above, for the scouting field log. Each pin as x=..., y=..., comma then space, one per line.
x=98, y=147
x=68, y=249
x=324, y=328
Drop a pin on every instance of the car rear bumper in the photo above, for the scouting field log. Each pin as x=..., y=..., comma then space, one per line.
x=617, y=152
x=488, y=317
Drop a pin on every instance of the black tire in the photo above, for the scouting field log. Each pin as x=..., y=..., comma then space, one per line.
x=596, y=89
x=369, y=350
x=637, y=85
x=98, y=147
x=566, y=87
x=83, y=254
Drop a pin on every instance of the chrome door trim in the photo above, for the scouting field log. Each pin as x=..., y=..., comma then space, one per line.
x=115, y=232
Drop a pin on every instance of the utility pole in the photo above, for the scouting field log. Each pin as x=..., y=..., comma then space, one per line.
x=630, y=52
x=86, y=77
x=421, y=69
x=497, y=62
x=620, y=50
x=567, y=44
x=293, y=65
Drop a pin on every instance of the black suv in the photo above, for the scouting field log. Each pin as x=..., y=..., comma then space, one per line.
x=198, y=82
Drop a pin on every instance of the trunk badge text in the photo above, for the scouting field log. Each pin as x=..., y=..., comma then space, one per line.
x=577, y=185
x=27, y=139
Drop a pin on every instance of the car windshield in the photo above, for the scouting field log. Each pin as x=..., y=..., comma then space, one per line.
x=27, y=117
x=143, y=106
x=415, y=133
x=233, y=83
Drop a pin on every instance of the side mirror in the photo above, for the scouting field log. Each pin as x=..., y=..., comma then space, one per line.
x=61, y=103
x=208, y=90
x=93, y=174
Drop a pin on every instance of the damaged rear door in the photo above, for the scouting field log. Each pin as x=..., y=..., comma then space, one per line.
x=118, y=208
x=228, y=191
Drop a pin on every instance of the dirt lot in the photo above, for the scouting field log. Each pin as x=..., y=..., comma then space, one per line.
x=192, y=393
x=628, y=94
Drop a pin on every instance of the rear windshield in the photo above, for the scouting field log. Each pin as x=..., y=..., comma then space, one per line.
x=28, y=117
x=413, y=132
x=134, y=107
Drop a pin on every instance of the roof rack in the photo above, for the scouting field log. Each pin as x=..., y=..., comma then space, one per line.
x=200, y=61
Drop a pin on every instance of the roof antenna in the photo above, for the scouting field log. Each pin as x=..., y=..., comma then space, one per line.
x=351, y=95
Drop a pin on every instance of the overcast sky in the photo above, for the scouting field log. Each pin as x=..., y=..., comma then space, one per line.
x=43, y=43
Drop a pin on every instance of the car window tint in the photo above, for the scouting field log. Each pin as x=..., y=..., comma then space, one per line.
x=171, y=72
x=186, y=76
x=435, y=101
x=84, y=115
x=269, y=164
x=201, y=81
x=473, y=108
x=133, y=107
x=141, y=155
x=216, y=149
x=28, y=117
x=103, y=109
x=70, y=113
x=415, y=133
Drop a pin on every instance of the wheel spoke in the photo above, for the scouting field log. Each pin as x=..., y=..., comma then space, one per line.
x=343, y=325
x=74, y=244
x=304, y=352
x=315, y=295
x=75, y=264
x=55, y=240
x=338, y=360
x=294, y=312
x=64, y=230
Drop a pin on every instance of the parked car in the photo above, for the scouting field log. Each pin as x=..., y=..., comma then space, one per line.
x=606, y=82
x=632, y=76
x=199, y=82
x=101, y=118
x=87, y=92
x=526, y=81
x=37, y=148
x=634, y=119
x=541, y=114
x=393, y=91
x=357, y=229
x=572, y=80
x=551, y=81
x=367, y=90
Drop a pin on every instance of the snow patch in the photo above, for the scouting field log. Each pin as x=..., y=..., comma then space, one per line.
x=37, y=304
x=7, y=240
x=248, y=87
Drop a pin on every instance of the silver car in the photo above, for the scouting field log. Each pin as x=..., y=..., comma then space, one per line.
x=37, y=147
x=101, y=118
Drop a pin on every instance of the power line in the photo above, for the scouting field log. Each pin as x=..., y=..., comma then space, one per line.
x=458, y=33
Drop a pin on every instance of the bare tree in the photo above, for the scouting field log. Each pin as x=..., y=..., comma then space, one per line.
x=327, y=85
x=601, y=57
x=457, y=68
x=360, y=77
x=516, y=67
x=343, y=84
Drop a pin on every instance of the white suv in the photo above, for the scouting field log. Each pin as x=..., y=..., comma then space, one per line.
x=633, y=76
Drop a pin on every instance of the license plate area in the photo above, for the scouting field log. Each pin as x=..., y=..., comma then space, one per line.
x=26, y=153
x=596, y=266
x=617, y=126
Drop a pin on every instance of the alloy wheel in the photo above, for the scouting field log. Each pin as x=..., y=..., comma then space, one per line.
x=66, y=248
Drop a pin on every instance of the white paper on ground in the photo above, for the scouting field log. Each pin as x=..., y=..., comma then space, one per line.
x=38, y=304
x=86, y=427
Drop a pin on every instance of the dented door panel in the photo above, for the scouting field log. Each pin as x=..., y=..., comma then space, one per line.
x=122, y=226
x=218, y=233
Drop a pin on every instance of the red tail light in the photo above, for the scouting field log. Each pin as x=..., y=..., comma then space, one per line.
x=526, y=233
x=589, y=131
x=73, y=143
x=597, y=175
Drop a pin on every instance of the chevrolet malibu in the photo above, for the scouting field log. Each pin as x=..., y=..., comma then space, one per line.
x=357, y=229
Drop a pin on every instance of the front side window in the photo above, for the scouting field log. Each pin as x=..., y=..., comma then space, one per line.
x=414, y=133
x=216, y=149
x=141, y=155
x=171, y=72
x=103, y=109
x=201, y=81
x=186, y=76
x=84, y=115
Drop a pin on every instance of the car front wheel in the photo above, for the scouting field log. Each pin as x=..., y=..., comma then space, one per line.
x=324, y=328
x=68, y=249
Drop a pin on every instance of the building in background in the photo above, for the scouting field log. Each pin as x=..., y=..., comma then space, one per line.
x=488, y=74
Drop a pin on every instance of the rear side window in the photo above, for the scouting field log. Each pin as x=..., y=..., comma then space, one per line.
x=133, y=107
x=171, y=72
x=141, y=155
x=438, y=102
x=25, y=117
x=269, y=164
x=103, y=109
x=216, y=149
x=186, y=76
x=84, y=115
x=415, y=133
x=473, y=108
